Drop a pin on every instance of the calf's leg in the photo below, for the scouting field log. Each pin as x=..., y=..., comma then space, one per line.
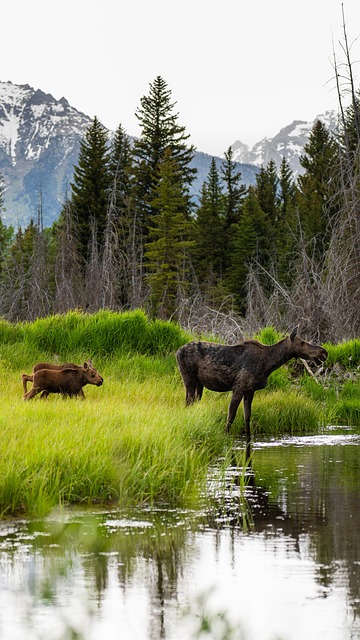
x=25, y=379
x=33, y=391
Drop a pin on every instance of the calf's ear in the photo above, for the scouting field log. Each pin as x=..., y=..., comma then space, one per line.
x=294, y=332
x=86, y=365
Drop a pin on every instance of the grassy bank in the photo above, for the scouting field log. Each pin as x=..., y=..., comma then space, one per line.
x=132, y=440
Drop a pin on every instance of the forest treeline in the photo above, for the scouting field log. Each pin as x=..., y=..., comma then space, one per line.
x=129, y=235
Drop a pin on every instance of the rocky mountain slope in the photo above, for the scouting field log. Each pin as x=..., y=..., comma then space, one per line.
x=39, y=145
x=289, y=142
x=40, y=141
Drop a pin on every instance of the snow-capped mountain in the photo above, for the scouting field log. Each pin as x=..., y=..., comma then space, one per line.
x=40, y=141
x=289, y=142
x=39, y=145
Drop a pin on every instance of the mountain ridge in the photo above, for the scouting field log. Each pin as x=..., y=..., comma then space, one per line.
x=288, y=143
x=40, y=142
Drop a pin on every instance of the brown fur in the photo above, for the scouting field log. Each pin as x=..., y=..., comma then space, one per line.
x=54, y=367
x=65, y=381
x=243, y=368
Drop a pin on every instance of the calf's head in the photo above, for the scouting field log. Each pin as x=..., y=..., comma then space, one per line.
x=306, y=350
x=91, y=375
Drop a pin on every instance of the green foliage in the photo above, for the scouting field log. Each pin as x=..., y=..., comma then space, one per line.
x=344, y=353
x=345, y=412
x=105, y=333
x=159, y=131
x=285, y=412
x=209, y=253
x=269, y=336
x=90, y=188
x=169, y=241
x=132, y=440
x=234, y=191
x=318, y=186
x=124, y=444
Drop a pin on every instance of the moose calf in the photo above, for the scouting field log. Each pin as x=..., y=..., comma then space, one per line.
x=65, y=381
x=53, y=367
x=243, y=368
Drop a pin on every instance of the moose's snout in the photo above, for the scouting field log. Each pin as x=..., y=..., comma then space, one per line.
x=98, y=384
x=321, y=357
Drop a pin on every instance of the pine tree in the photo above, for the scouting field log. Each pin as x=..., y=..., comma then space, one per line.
x=234, y=190
x=159, y=130
x=246, y=245
x=168, y=240
x=122, y=236
x=16, y=299
x=267, y=194
x=234, y=193
x=209, y=252
x=287, y=226
x=90, y=189
x=6, y=233
x=267, y=186
x=121, y=167
x=318, y=187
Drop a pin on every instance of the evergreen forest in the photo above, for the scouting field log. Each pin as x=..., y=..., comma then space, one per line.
x=283, y=251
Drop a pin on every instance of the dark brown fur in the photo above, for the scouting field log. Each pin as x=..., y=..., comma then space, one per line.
x=65, y=381
x=54, y=367
x=243, y=368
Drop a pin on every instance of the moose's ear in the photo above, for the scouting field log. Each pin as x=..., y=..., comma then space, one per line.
x=294, y=332
x=86, y=366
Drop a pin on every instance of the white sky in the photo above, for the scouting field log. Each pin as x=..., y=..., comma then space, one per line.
x=238, y=69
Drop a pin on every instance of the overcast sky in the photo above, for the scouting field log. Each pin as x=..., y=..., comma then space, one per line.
x=237, y=69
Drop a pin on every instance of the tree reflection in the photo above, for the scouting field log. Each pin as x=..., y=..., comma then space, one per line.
x=302, y=493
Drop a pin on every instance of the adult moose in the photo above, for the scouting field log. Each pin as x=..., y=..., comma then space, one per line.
x=68, y=382
x=243, y=368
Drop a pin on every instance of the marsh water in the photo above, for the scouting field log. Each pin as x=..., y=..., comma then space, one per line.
x=278, y=559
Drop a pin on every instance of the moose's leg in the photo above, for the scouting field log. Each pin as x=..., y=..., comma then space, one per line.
x=199, y=391
x=25, y=379
x=33, y=391
x=233, y=407
x=190, y=392
x=191, y=385
x=248, y=398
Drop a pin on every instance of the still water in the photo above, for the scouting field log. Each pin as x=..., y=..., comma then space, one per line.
x=278, y=560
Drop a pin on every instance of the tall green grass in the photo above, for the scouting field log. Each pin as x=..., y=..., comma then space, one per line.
x=132, y=440
x=128, y=443
x=103, y=334
x=346, y=354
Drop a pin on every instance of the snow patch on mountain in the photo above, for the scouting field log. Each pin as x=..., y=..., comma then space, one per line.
x=288, y=143
x=39, y=145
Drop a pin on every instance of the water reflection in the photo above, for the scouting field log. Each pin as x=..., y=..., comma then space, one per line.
x=276, y=535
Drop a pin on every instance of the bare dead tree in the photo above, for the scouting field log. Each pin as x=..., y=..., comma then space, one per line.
x=342, y=278
x=14, y=284
x=112, y=262
x=69, y=267
x=93, y=272
x=132, y=251
x=39, y=283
